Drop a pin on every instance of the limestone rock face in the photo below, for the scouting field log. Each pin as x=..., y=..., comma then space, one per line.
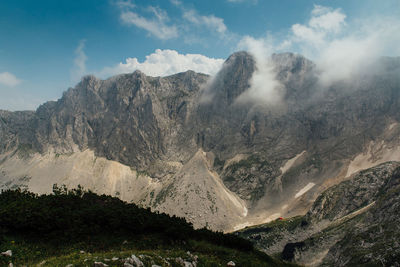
x=350, y=224
x=128, y=118
x=268, y=161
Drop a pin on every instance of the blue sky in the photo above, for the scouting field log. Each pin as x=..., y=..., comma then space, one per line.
x=47, y=45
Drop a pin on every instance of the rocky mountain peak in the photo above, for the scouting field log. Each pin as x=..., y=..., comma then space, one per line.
x=89, y=82
x=291, y=63
x=240, y=58
x=138, y=74
x=156, y=125
x=233, y=79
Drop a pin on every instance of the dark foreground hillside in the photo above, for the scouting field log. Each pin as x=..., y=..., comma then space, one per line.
x=78, y=227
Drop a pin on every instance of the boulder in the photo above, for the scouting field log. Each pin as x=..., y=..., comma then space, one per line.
x=99, y=264
x=136, y=261
x=7, y=253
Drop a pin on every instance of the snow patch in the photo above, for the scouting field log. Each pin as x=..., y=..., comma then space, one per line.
x=290, y=162
x=304, y=190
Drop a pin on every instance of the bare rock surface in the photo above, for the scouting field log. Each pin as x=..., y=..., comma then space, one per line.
x=351, y=224
x=142, y=139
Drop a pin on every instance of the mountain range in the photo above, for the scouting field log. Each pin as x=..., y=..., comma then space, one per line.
x=197, y=147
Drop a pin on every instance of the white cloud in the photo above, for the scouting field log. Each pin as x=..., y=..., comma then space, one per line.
x=190, y=26
x=166, y=62
x=125, y=4
x=327, y=19
x=199, y=25
x=343, y=58
x=156, y=25
x=340, y=49
x=308, y=34
x=265, y=89
x=9, y=79
x=211, y=22
x=79, y=68
x=323, y=22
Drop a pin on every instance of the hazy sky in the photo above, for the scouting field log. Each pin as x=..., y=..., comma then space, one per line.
x=47, y=45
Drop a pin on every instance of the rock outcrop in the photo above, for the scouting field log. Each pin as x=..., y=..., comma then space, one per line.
x=353, y=223
x=142, y=138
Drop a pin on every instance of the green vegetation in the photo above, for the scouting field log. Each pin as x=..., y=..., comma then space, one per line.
x=252, y=161
x=276, y=225
x=249, y=171
x=160, y=198
x=56, y=227
x=267, y=234
x=218, y=163
x=257, y=193
x=141, y=173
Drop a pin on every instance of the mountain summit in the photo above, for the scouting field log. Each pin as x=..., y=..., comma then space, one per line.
x=182, y=144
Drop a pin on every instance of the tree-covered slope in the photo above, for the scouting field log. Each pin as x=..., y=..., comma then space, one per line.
x=55, y=228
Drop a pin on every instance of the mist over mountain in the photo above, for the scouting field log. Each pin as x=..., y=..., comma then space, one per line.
x=246, y=146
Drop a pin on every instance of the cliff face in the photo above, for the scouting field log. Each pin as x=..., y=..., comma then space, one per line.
x=174, y=135
x=354, y=223
x=128, y=118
